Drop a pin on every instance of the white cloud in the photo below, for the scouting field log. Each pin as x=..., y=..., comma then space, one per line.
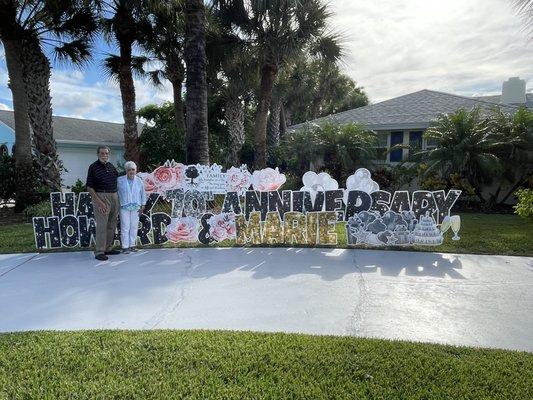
x=4, y=107
x=394, y=48
x=398, y=47
x=73, y=96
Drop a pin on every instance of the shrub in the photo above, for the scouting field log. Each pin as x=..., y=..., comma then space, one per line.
x=160, y=139
x=384, y=177
x=524, y=208
x=341, y=149
x=78, y=187
x=41, y=209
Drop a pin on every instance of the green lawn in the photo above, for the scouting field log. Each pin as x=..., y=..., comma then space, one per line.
x=480, y=234
x=238, y=365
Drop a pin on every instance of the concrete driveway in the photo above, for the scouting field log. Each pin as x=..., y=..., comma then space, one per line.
x=462, y=299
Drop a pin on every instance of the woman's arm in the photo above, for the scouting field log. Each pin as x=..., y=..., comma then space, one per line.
x=143, y=195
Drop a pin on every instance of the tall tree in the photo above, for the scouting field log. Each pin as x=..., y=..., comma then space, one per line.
x=23, y=151
x=196, y=101
x=236, y=93
x=124, y=22
x=67, y=27
x=278, y=29
x=165, y=42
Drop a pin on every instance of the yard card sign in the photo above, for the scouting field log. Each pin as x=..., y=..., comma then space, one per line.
x=253, y=209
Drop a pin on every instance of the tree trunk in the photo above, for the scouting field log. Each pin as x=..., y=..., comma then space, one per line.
x=282, y=121
x=315, y=106
x=23, y=155
x=273, y=124
x=234, y=115
x=268, y=76
x=196, y=100
x=36, y=73
x=320, y=94
x=175, y=74
x=178, y=105
x=127, y=93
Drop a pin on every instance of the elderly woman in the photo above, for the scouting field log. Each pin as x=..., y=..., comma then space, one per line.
x=132, y=201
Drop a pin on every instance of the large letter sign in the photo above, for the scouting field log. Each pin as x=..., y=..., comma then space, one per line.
x=254, y=210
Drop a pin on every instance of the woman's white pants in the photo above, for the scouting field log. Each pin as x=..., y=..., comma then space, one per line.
x=129, y=221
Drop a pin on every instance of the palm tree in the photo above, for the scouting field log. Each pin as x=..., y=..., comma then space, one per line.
x=123, y=22
x=465, y=146
x=240, y=81
x=278, y=29
x=196, y=84
x=326, y=51
x=28, y=26
x=165, y=42
x=514, y=147
x=322, y=56
x=23, y=152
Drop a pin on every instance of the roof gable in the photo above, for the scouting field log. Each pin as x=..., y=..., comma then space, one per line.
x=413, y=110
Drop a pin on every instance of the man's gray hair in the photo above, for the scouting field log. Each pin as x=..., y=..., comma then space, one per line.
x=102, y=147
x=130, y=165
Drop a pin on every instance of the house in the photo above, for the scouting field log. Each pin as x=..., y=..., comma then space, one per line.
x=77, y=140
x=402, y=120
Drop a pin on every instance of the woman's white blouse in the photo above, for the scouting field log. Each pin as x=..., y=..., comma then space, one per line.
x=133, y=195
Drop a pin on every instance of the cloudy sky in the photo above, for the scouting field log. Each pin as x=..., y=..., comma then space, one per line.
x=467, y=47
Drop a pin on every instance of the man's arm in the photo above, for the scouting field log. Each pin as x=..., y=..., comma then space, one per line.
x=97, y=201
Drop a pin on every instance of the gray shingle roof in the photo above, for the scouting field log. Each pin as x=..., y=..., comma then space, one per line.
x=496, y=99
x=411, y=111
x=79, y=130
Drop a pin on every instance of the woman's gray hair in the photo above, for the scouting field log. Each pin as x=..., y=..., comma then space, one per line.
x=130, y=165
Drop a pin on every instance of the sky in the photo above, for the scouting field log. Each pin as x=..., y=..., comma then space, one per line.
x=466, y=47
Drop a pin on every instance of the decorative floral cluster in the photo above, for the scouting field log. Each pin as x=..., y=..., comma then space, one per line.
x=184, y=229
x=222, y=226
x=238, y=179
x=170, y=175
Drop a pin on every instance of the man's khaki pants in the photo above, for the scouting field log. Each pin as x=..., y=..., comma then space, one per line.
x=106, y=223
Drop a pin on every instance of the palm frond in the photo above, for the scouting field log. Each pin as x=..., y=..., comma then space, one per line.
x=76, y=52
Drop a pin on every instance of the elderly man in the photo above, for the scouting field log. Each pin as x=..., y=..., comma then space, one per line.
x=102, y=185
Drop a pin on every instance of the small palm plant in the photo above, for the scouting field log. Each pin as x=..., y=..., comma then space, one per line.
x=514, y=147
x=465, y=146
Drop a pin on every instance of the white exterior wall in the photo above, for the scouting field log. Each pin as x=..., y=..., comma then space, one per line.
x=76, y=160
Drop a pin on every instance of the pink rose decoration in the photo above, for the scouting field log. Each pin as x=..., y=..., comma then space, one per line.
x=179, y=171
x=237, y=180
x=165, y=177
x=148, y=181
x=267, y=179
x=183, y=230
x=222, y=226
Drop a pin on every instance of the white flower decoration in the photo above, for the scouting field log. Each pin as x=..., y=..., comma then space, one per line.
x=267, y=179
x=360, y=180
x=314, y=183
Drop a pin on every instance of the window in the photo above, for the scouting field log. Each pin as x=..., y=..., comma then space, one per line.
x=382, y=146
x=396, y=138
x=415, y=144
x=431, y=144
